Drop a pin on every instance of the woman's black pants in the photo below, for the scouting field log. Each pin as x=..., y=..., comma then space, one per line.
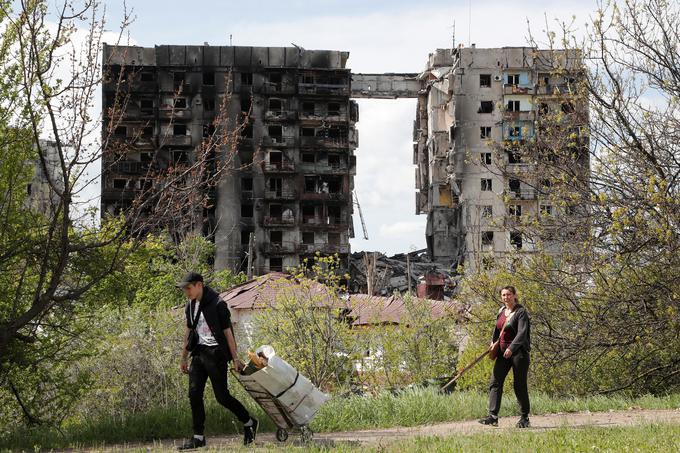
x=519, y=362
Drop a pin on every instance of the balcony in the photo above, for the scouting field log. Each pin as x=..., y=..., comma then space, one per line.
x=278, y=141
x=519, y=167
x=323, y=89
x=517, y=89
x=278, y=221
x=324, y=223
x=322, y=248
x=274, y=248
x=325, y=142
x=324, y=196
x=521, y=194
x=278, y=88
x=175, y=140
x=278, y=167
x=341, y=168
x=280, y=115
x=528, y=115
x=323, y=116
x=553, y=90
x=128, y=167
x=285, y=194
x=170, y=113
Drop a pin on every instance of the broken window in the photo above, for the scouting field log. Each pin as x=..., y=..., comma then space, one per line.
x=178, y=79
x=485, y=107
x=147, y=131
x=247, y=131
x=179, y=157
x=308, y=237
x=486, y=158
x=120, y=131
x=276, y=264
x=515, y=210
x=513, y=106
x=119, y=183
x=485, y=80
x=308, y=211
x=308, y=108
x=247, y=184
x=308, y=78
x=485, y=132
x=209, y=104
x=333, y=109
x=513, y=79
x=146, y=76
x=208, y=78
x=546, y=210
x=245, y=237
x=275, y=210
x=146, y=106
x=515, y=131
x=308, y=158
x=334, y=160
x=275, y=105
x=487, y=211
x=513, y=158
x=543, y=108
x=246, y=103
x=208, y=130
x=180, y=103
x=276, y=158
x=179, y=129
x=486, y=185
x=334, y=215
x=275, y=131
x=516, y=239
x=310, y=184
x=276, y=185
x=487, y=237
x=246, y=78
x=146, y=157
x=276, y=237
x=307, y=132
x=275, y=77
x=246, y=210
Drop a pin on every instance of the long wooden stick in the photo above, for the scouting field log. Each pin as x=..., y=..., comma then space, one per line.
x=465, y=369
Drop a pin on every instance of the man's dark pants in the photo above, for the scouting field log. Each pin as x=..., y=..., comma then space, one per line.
x=208, y=362
x=519, y=363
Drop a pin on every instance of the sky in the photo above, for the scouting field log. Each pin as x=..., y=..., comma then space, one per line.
x=381, y=36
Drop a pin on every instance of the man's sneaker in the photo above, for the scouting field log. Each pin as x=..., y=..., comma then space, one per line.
x=193, y=443
x=489, y=420
x=523, y=422
x=249, y=432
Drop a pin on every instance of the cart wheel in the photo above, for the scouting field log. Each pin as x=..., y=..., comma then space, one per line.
x=281, y=435
x=306, y=434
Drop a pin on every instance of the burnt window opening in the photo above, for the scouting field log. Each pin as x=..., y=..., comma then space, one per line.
x=308, y=237
x=486, y=158
x=146, y=106
x=208, y=130
x=245, y=237
x=209, y=104
x=513, y=79
x=275, y=131
x=334, y=160
x=119, y=183
x=485, y=132
x=308, y=211
x=310, y=184
x=247, y=131
x=485, y=80
x=247, y=184
x=246, y=210
x=514, y=158
x=147, y=76
x=120, y=131
x=276, y=158
x=485, y=107
x=516, y=239
x=146, y=157
x=486, y=185
x=308, y=108
x=276, y=264
x=275, y=105
x=276, y=237
x=246, y=78
x=275, y=211
x=179, y=129
x=275, y=77
x=208, y=78
x=179, y=157
x=487, y=237
x=308, y=78
x=180, y=103
x=333, y=109
x=513, y=106
x=276, y=185
x=178, y=79
x=246, y=104
x=334, y=185
x=335, y=214
x=309, y=158
x=514, y=186
x=147, y=131
x=307, y=132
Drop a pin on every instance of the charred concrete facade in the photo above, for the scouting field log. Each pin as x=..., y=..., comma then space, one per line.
x=471, y=101
x=292, y=178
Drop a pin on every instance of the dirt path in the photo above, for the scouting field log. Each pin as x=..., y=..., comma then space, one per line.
x=390, y=435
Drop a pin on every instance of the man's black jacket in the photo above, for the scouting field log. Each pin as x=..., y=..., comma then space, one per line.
x=216, y=314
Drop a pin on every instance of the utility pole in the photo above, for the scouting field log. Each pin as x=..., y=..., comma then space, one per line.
x=251, y=246
x=408, y=271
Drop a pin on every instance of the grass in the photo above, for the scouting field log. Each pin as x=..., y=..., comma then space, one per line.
x=409, y=408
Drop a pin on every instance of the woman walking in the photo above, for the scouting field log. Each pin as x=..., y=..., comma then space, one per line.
x=511, y=331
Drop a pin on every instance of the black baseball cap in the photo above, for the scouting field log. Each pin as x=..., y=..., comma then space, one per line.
x=191, y=277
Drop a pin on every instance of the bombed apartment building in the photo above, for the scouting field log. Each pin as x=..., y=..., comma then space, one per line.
x=288, y=184
x=475, y=107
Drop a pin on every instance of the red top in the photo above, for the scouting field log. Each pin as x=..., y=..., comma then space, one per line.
x=508, y=334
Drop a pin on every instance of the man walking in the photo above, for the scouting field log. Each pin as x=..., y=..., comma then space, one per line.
x=210, y=337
